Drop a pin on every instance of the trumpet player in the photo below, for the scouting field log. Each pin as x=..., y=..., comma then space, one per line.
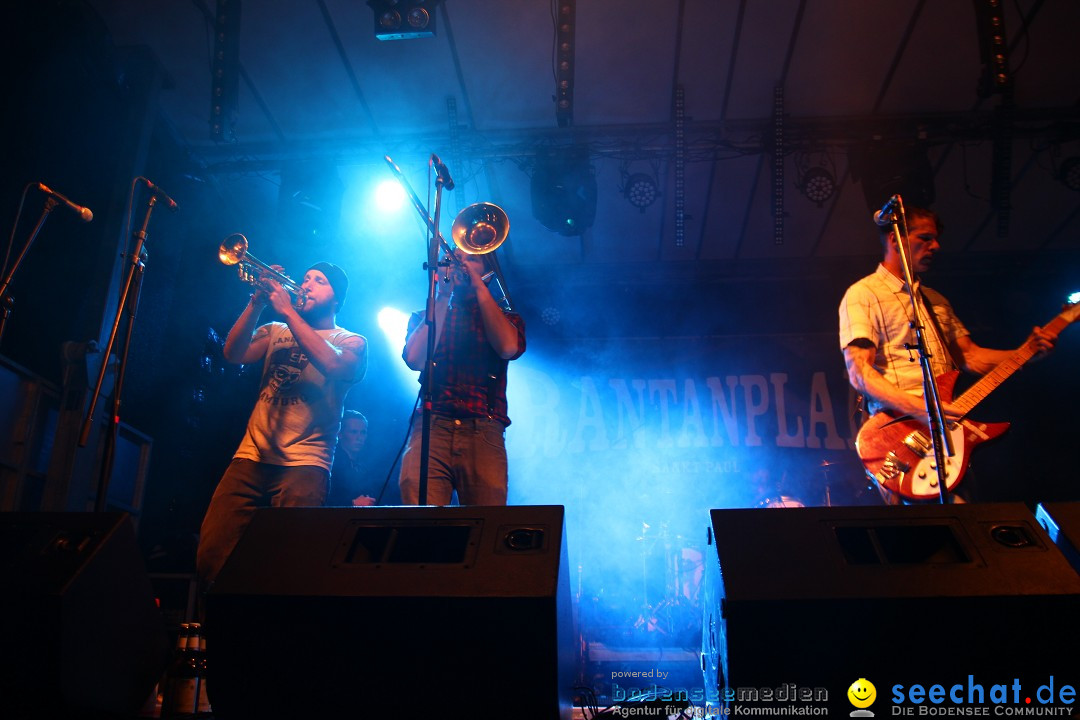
x=309, y=364
x=475, y=341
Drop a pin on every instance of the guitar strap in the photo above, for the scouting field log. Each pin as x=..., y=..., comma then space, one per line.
x=861, y=411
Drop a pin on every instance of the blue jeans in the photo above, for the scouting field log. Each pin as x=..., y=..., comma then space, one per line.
x=245, y=486
x=466, y=455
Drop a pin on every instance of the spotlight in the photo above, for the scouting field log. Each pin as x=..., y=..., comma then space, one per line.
x=818, y=185
x=640, y=189
x=550, y=316
x=389, y=21
x=404, y=19
x=1069, y=173
x=394, y=324
x=564, y=190
x=418, y=18
x=389, y=196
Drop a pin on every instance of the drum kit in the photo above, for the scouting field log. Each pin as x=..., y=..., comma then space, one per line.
x=843, y=479
x=659, y=603
x=672, y=567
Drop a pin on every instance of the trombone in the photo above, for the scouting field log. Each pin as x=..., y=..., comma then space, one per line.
x=478, y=229
x=234, y=251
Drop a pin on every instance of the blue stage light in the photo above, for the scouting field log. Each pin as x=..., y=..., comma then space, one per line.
x=394, y=324
x=389, y=196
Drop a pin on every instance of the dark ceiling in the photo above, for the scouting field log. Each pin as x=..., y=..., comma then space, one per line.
x=864, y=90
x=702, y=96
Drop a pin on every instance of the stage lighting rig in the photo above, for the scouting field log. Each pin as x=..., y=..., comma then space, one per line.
x=640, y=190
x=816, y=175
x=564, y=190
x=404, y=19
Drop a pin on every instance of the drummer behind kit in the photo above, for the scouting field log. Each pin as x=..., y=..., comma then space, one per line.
x=771, y=492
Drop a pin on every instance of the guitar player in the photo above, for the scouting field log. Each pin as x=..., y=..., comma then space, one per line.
x=876, y=332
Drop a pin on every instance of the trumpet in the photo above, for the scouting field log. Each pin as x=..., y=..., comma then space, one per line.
x=234, y=251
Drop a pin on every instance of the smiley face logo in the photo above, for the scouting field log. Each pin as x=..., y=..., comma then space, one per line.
x=862, y=693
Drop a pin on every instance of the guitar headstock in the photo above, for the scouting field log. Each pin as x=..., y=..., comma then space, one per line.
x=1071, y=311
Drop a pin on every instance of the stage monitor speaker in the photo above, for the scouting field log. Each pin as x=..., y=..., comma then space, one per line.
x=343, y=612
x=82, y=634
x=1061, y=520
x=802, y=600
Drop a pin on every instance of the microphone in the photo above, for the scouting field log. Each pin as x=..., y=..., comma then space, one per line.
x=884, y=216
x=82, y=212
x=159, y=192
x=442, y=172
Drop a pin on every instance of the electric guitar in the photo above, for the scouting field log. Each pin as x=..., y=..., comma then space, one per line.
x=897, y=450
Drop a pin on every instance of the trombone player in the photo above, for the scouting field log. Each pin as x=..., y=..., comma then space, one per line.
x=309, y=365
x=475, y=340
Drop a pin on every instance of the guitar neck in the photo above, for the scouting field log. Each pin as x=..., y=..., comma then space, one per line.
x=1004, y=370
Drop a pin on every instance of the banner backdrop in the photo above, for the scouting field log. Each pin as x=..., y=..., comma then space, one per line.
x=690, y=414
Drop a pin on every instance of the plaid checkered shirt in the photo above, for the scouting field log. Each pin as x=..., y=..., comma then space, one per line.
x=470, y=377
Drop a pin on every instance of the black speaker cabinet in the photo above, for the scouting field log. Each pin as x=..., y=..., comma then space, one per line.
x=808, y=598
x=81, y=631
x=340, y=612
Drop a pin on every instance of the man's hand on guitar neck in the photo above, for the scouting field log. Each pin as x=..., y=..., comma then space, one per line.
x=1041, y=341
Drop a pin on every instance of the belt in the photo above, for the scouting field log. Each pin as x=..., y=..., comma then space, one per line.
x=473, y=423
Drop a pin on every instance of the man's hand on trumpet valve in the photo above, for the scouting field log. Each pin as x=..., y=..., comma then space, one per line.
x=279, y=297
x=260, y=298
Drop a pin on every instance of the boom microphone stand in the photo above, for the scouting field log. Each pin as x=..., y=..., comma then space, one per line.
x=939, y=432
x=129, y=299
x=51, y=201
x=6, y=300
x=432, y=266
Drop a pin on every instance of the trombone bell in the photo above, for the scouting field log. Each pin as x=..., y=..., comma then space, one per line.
x=480, y=228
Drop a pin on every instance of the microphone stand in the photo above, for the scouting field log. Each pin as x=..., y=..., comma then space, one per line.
x=6, y=300
x=939, y=429
x=496, y=270
x=432, y=266
x=131, y=291
x=427, y=379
